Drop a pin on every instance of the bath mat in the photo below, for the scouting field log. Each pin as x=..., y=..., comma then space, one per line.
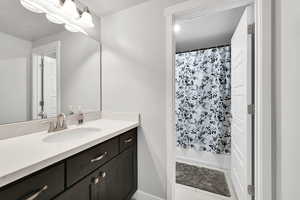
x=202, y=178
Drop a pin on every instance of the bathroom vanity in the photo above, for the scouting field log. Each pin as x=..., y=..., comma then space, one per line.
x=55, y=143
x=95, y=161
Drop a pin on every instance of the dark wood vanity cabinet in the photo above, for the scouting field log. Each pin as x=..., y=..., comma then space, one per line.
x=43, y=185
x=115, y=180
x=107, y=171
x=85, y=162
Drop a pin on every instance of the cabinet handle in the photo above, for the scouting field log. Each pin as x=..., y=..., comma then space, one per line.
x=128, y=140
x=36, y=194
x=99, y=157
x=103, y=174
x=98, y=179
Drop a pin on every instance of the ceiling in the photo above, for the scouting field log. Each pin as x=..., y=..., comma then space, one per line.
x=30, y=26
x=105, y=7
x=207, y=31
x=17, y=21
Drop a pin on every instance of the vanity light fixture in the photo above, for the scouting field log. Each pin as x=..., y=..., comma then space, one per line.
x=70, y=8
x=86, y=19
x=75, y=29
x=32, y=6
x=71, y=28
x=54, y=18
x=62, y=12
x=57, y=3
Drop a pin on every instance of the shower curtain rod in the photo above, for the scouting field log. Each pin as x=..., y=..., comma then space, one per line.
x=219, y=46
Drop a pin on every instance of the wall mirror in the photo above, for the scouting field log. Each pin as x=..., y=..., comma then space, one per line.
x=44, y=68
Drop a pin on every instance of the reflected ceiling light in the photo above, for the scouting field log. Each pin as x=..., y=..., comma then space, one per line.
x=54, y=18
x=86, y=19
x=74, y=29
x=71, y=28
x=71, y=8
x=32, y=6
x=177, y=28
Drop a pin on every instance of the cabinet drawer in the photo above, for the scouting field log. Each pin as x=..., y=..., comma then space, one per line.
x=102, y=184
x=43, y=185
x=83, y=163
x=128, y=139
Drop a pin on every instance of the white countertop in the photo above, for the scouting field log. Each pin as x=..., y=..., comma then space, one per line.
x=23, y=155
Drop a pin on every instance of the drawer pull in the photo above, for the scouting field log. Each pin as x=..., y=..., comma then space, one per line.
x=36, y=194
x=99, y=158
x=128, y=140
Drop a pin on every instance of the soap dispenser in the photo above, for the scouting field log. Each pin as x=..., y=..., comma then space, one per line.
x=71, y=110
x=80, y=116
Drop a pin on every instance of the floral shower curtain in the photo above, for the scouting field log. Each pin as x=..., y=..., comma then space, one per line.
x=203, y=99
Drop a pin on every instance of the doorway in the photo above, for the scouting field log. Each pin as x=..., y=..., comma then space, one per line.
x=262, y=140
x=213, y=85
x=46, y=81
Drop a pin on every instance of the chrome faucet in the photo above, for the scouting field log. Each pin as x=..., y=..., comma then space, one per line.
x=61, y=123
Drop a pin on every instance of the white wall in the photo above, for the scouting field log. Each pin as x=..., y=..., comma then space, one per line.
x=133, y=68
x=287, y=95
x=14, y=79
x=80, y=70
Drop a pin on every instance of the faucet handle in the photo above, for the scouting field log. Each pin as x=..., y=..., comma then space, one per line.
x=61, y=116
x=60, y=120
x=64, y=124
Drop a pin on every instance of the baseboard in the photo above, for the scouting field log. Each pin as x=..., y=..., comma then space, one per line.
x=140, y=195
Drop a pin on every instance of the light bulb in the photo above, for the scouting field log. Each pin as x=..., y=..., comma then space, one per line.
x=32, y=6
x=70, y=8
x=55, y=2
x=86, y=20
x=54, y=18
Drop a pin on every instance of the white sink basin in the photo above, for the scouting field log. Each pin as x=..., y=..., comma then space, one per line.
x=71, y=134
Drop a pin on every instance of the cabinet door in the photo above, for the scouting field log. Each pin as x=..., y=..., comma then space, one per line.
x=118, y=180
x=86, y=189
x=108, y=185
x=126, y=172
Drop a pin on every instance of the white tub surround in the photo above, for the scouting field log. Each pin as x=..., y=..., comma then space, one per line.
x=24, y=155
x=203, y=158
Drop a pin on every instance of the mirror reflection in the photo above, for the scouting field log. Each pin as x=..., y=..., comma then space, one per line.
x=44, y=68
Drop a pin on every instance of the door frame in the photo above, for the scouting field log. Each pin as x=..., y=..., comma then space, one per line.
x=48, y=48
x=263, y=100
